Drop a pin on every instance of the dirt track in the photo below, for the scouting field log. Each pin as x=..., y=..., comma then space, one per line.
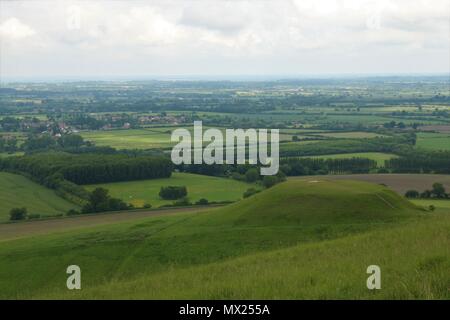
x=23, y=229
x=398, y=182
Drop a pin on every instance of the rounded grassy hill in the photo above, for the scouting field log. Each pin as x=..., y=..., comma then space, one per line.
x=306, y=202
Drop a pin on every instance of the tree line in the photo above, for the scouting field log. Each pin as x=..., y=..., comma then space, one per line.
x=397, y=143
x=437, y=191
x=420, y=162
x=292, y=166
x=89, y=168
x=313, y=166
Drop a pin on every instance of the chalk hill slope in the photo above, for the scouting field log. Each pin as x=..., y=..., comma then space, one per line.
x=290, y=215
x=298, y=202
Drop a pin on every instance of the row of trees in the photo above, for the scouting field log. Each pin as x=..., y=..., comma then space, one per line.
x=397, y=143
x=88, y=168
x=292, y=166
x=118, y=170
x=46, y=142
x=312, y=166
x=41, y=142
x=420, y=162
x=16, y=214
x=437, y=191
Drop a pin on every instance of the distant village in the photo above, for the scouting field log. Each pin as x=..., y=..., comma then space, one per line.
x=76, y=123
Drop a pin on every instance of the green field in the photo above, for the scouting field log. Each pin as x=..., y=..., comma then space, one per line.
x=300, y=131
x=435, y=202
x=295, y=145
x=433, y=141
x=299, y=239
x=199, y=186
x=351, y=135
x=379, y=157
x=130, y=139
x=6, y=154
x=18, y=191
x=148, y=138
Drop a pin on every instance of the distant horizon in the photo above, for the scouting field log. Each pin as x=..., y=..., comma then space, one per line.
x=216, y=77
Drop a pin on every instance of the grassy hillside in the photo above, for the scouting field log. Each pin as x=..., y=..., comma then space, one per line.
x=315, y=201
x=18, y=191
x=414, y=261
x=290, y=214
x=199, y=186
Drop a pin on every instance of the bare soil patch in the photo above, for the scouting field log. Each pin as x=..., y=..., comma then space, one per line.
x=436, y=128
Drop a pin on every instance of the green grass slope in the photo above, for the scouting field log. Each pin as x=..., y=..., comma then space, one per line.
x=414, y=260
x=316, y=201
x=18, y=191
x=291, y=214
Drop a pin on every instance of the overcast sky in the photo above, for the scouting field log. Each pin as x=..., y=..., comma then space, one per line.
x=259, y=37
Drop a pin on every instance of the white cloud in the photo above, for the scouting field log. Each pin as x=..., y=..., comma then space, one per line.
x=14, y=29
x=225, y=17
x=213, y=36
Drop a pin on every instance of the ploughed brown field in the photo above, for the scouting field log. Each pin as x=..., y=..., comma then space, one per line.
x=436, y=128
x=398, y=182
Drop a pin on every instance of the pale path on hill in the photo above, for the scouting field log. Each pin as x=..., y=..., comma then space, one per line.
x=385, y=201
x=30, y=228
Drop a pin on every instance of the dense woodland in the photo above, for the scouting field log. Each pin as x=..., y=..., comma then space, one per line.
x=89, y=168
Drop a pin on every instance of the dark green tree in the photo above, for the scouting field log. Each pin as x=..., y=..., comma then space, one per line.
x=270, y=181
x=173, y=192
x=17, y=214
x=412, y=194
x=252, y=175
x=438, y=190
